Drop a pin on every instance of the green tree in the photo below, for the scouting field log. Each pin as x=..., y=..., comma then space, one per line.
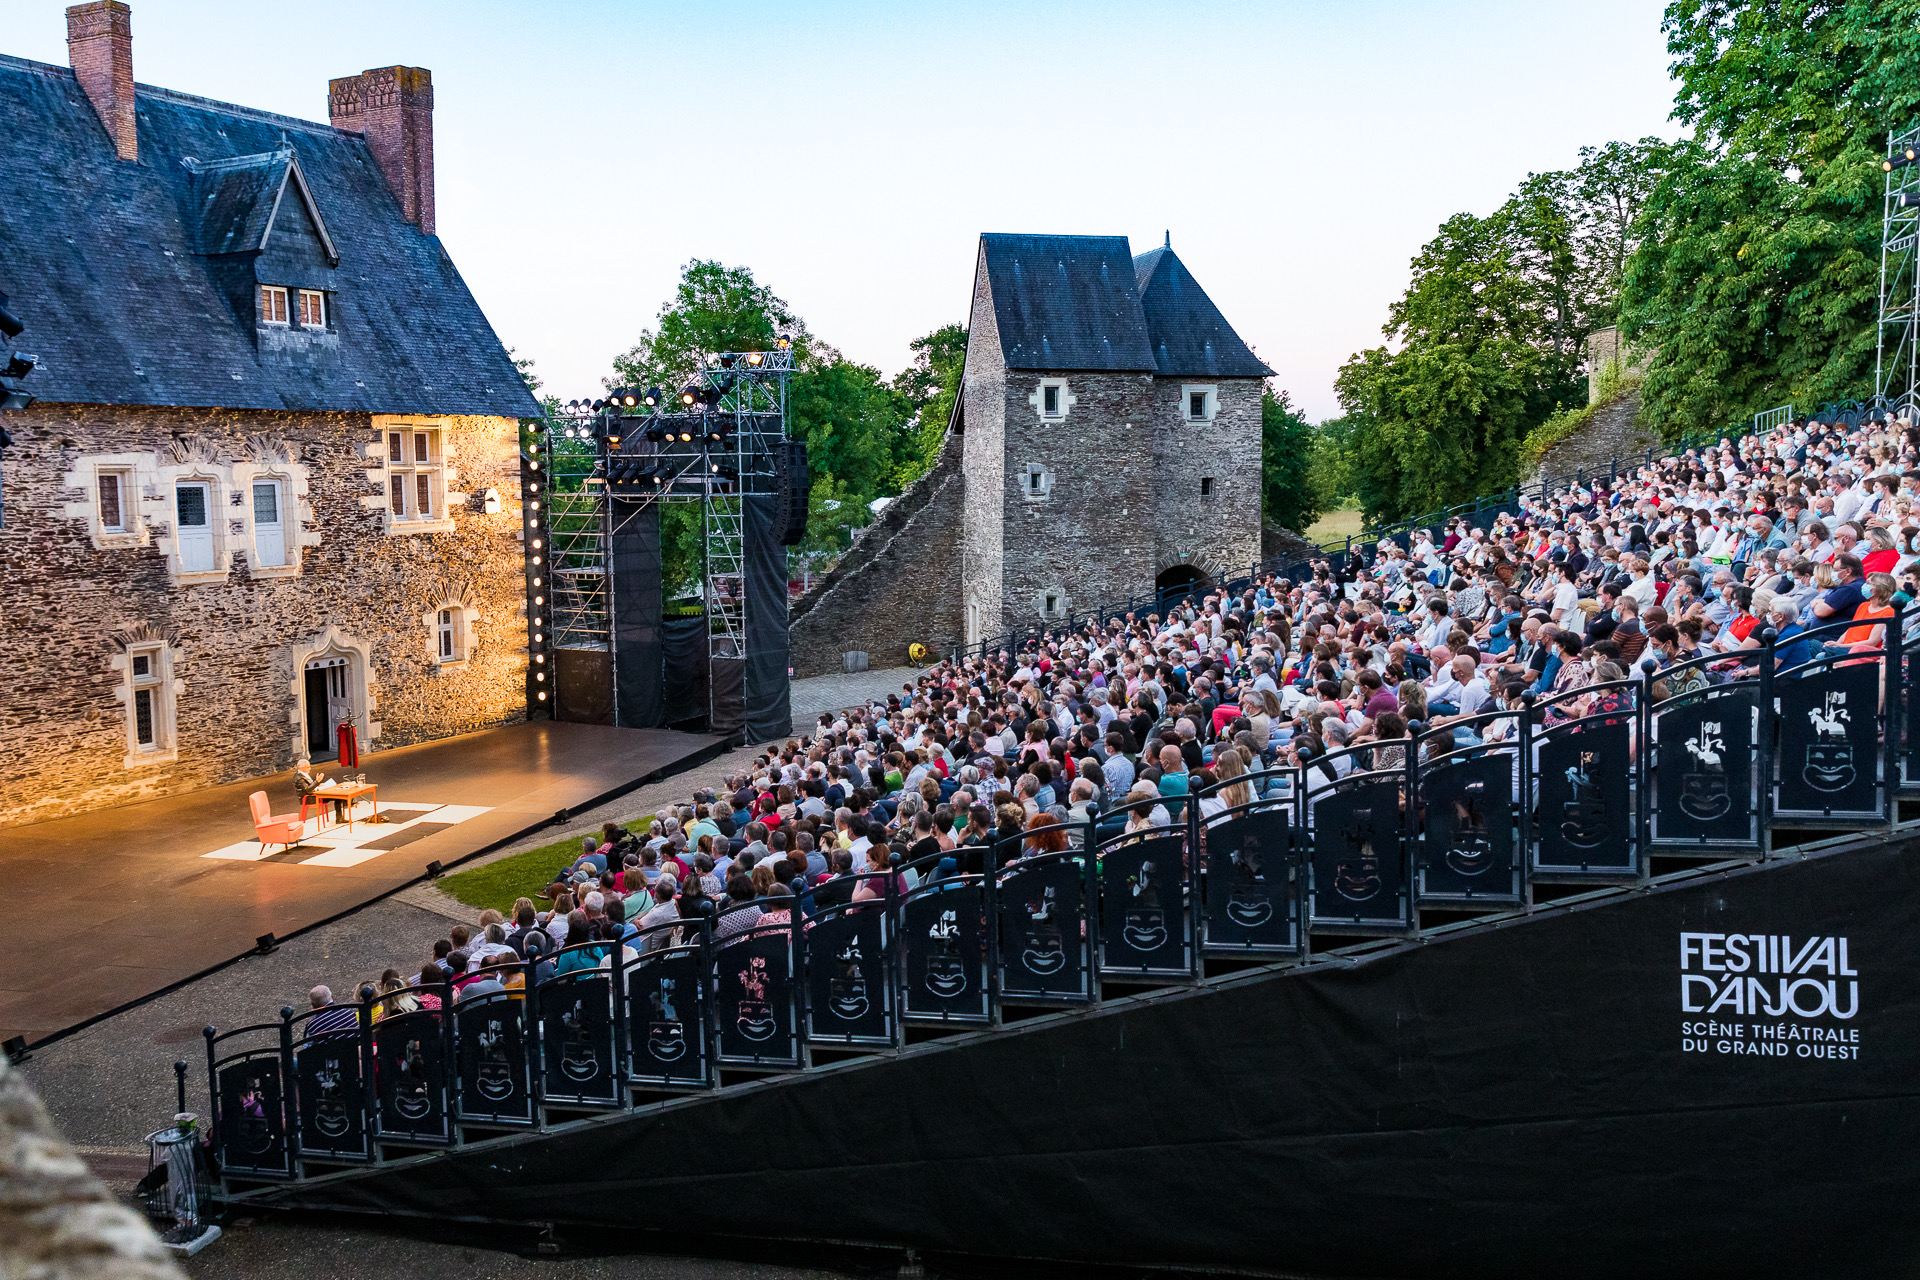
x=1287, y=494
x=1755, y=280
x=927, y=389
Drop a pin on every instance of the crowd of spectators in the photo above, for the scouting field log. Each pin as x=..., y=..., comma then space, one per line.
x=1122, y=724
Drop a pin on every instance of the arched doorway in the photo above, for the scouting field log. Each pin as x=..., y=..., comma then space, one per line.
x=1180, y=579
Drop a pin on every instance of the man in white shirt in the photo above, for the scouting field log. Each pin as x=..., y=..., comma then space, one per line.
x=1566, y=600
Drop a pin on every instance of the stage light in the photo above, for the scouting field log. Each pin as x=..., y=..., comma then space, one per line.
x=690, y=394
x=686, y=435
x=539, y=675
x=433, y=870
x=265, y=944
x=629, y=398
x=1906, y=199
x=539, y=657
x=726, y=362
x=653, y=397
x=754, y=357
x=533, y=506
x=656, y=434
x=536, y=544
x=20, y=365
x=543, y=695
x=539, y=599
x=783, y=342
x=598, y=405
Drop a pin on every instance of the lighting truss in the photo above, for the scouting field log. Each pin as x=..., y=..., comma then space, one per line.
x=717, y=454
x=1897, y=365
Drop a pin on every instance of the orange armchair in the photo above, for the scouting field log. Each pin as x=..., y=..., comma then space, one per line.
x=274, y=828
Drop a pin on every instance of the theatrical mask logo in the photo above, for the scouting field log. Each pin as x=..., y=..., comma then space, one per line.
x=330, y=1114
x=578, y=1061
x=753, y=1015
x=493, y=1075
x=847, y=989
x=946, y=971
x=255, y=1134
x=1704, y=793
x=1045, y=951
x=411, y=1095
x=1356, y=876
x=1145, y=925
x=1830, y=755
x=1247, y=902
x=1471, y=852
x=666, y=1034
x=1584, y=816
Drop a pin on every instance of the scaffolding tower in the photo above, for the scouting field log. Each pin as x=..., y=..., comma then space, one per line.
x=1896, y=374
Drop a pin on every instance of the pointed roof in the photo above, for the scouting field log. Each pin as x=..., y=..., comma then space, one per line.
x=1066, y=302
x=1190, y=338
x=84, y=236
x=238, y=199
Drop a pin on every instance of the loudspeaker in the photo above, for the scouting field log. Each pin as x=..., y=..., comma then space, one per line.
x=790, y=486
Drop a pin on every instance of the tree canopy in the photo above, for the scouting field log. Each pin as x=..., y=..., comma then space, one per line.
x=866, y=437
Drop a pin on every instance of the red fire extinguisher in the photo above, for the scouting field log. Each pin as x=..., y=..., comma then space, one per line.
x=349, y=747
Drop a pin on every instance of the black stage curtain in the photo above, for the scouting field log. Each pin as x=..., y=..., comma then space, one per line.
x=634, y=554
x=684, y=689
x=769, y=712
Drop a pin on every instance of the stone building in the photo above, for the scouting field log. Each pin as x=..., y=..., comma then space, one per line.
x=270, y=485
x=1106, y=441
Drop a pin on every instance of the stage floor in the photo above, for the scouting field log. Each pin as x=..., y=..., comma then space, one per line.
x=150, y=894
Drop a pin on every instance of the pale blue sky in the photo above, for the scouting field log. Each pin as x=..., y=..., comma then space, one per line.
x=1300, y=152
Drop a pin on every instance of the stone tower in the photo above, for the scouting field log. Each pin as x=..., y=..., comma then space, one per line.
x=1111, y=422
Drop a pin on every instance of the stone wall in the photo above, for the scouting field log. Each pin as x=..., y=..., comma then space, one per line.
x=984, y=463
x=1611, y=433
x=232, y=641
x=898, y=583
x=1217, y=532
x=1091, y=536
x=1604, y=348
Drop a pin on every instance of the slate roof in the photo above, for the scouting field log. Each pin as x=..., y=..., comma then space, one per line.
x=125, y=272
x=1190, y=338
x=1066, y=302
x=1084, y=302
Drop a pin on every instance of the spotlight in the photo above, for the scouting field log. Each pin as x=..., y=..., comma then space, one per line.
x=1906, y=199
x=598, y=405
x=754, y=357
x=686, y=435
x=726, y=361
x=629, y=397
x=655, y=434
x=1901, y=161
x=783, y=342
x=690, y=396
x=653, y=397
x=433, y=870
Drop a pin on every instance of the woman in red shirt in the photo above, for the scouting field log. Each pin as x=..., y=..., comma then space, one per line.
x=1884, y=555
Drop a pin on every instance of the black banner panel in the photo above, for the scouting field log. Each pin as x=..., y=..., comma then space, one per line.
x=1830, y=742
x=943, y=932
x=253, y=1116
x=1043, y=953
x=633, y=550
x=1252, y=886
x=410, y=1076
x=1359, y=864
x=1584, y=804
x=755, y=995
x=496, y=1060
x=1703, y=776
x=849, y=977
x=1469, y=837
x=668, y=1020
x=767, y=710
x=330, y=1083
x=576, y=1040
x=1709, y=1077
x=685, y=690
x=1145, y=927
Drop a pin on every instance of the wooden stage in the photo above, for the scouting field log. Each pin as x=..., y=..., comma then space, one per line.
x=152, y=894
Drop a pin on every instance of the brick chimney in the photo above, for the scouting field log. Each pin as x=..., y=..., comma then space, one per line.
x=100, y=46
x=393, y=108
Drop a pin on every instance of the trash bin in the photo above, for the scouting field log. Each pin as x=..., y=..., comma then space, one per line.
x=177, y=1192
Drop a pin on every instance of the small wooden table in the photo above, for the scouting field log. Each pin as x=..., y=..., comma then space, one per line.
x=347, y=793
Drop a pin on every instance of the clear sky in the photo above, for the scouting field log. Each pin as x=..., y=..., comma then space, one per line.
x=850, y=153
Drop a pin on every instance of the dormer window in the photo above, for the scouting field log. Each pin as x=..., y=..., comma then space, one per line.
x=313, y=309
x=273, y=304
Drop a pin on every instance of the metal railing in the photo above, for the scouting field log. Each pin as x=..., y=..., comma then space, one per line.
x=1704, y=759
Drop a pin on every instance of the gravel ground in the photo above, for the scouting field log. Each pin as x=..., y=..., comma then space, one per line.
x=297, y=1249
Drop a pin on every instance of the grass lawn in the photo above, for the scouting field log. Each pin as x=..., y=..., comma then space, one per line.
x=497, y=884
x=1334, y=526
